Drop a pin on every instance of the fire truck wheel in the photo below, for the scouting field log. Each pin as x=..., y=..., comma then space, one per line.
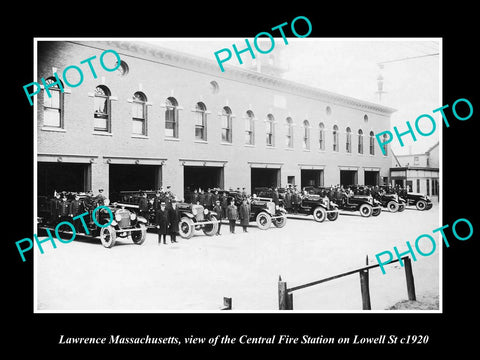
x=264, y=220
x=319, y=214
x=108, y=236
x=186, y=227
x=138, y=237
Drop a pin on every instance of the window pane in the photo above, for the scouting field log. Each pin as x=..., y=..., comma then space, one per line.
x=199, y=133
x=138, y=110
x=100, y=104
x=100, y=123
x=137, y=127
x=199, y=120
x=51, y=117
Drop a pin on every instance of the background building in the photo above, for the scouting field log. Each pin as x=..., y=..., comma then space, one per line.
x=419, y=172
x=167, y=118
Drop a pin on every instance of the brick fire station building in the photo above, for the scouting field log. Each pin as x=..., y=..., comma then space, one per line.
x=167, y=118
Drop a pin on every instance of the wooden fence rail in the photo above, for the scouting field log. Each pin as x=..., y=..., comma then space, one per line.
x=285, y=294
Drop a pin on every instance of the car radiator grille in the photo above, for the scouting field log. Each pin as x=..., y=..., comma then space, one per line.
x=125, y=220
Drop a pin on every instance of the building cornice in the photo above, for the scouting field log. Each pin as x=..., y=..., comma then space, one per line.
x=196, y=63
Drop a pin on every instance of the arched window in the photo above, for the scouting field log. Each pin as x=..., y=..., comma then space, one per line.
x=306, y=135
x=335, y=137
x=171, y=117
x=226, y=124
x=53, y=105
x=321, y=136
x=101, y=115
x=348, y=140
x=200, y=121
x=139, y=114
x=289, y=134
x=360, y=141
x=372, y=143
x=250, y=128
x=270, y=130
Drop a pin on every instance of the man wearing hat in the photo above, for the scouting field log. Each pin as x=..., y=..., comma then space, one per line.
x=76, y=208
x=173, y=221
x=161, y=221
x=100, y=198
x=143, y=205
x=219, y=210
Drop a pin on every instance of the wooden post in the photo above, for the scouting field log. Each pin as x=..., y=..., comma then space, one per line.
x=227, y=303
x=409, y=278
x=290, y=301
x=364, y=288
x=282, y=295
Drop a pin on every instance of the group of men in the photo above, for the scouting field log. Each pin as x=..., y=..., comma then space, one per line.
x=167, y=216
x=64, y=206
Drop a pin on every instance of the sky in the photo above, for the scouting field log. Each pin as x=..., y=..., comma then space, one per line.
x=411, y=73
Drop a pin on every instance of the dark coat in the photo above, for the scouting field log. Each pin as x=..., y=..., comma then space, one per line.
x=63, y=208
x=218, y=209
x=143, y=204
x=288, y=199
x=161, y=220
x=76, y=207
x=244, y=214
x=173, y=220
x=232, y=213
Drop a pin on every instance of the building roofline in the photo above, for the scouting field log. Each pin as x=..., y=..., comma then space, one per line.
x=197, y=63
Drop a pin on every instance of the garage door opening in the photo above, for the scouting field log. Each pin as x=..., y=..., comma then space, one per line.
x=311, y=178
x=123, y=177
x=348, y=177
x=202, y=177
x=372, y=178
x=62, y=177
x=264, y=178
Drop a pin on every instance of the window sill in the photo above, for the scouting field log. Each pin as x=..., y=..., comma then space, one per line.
x=270, y=147
x=54, y=129
x=102, y=133
x=226, y=143
x=249, y=145
x=167, y=138
x=201, y=141
x=138, y=136
x=289, y=149
x=307, y=150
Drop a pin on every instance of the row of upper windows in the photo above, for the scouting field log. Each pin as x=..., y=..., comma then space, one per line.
x=53, y=118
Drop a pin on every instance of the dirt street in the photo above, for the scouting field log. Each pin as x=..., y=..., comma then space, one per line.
x=195, y=274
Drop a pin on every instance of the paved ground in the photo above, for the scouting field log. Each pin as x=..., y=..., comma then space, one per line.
x=196, y=274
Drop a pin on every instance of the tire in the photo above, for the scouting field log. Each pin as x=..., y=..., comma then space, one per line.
x=108, y=236
x=365, y=210
x=376, y=212
x=319, y=214
x=138, y=237
x=332, y=216
x=393, y=206
x=280, y=221
x=186, y=228
x=421, y=205
x=264, y=220
x=401, y=207
x=210, y=229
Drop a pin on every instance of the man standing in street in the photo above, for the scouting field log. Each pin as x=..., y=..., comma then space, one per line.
x=218, y=209
x=244, y=214
x=232, y=215
x=161, y=221
x=173, y=221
